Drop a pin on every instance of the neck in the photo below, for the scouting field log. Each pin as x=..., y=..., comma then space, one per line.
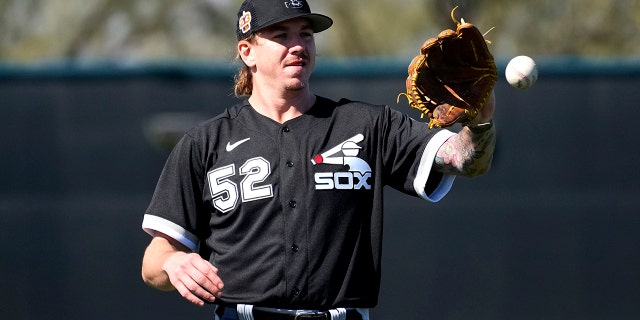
x=282, y=108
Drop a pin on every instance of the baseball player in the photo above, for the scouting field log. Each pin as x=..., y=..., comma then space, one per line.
x=273, y=209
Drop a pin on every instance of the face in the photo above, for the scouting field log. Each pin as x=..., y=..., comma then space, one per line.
x=282, y=56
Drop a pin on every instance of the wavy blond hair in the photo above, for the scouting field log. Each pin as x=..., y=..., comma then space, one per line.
x=243, y=81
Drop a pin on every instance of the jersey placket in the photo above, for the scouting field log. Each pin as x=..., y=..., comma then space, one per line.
x=295, y=223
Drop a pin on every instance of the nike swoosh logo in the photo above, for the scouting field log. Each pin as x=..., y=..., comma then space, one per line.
x=231, y=146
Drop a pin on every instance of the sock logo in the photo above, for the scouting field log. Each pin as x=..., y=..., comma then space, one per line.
x=345, y=154
x=293, y=4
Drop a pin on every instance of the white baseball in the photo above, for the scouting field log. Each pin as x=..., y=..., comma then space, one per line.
x=521, y=72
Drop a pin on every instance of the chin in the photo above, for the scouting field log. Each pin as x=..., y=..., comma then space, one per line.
x=296, y=86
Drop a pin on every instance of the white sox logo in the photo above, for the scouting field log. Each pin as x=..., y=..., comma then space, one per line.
x=293, y=4
x=344, y=154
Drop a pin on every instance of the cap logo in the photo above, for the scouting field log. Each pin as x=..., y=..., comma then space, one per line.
x=244, y=23
x=293, y=4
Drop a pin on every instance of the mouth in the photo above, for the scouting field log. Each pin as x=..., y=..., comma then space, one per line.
x=296, y=63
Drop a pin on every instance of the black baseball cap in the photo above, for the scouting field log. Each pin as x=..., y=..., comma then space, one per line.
x=258, y=14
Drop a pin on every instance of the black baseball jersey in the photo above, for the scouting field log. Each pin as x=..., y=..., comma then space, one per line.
x=291, y=214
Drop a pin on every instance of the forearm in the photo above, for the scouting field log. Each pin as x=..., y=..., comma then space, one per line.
x=468, y=153
x=155, y=257
x=169, y=265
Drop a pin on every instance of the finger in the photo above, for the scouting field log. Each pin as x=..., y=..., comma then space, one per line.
x=189, y=295
x=192, y=283
x=206, y=275
x=191, y=290
x=206, y=286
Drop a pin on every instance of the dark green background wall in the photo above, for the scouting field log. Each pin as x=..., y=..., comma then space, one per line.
x=552, y=232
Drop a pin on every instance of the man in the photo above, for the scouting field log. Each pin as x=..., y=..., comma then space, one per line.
x=273, y=209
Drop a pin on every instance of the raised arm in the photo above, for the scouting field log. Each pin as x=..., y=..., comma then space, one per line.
x=470, y=151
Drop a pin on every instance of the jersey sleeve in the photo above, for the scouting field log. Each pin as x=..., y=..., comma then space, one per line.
x=411, y=149
x=177, y=197
x=442, y=183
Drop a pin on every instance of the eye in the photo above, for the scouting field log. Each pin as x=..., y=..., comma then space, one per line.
x=280, y=35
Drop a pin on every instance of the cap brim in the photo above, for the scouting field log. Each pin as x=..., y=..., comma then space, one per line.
x=319, y=22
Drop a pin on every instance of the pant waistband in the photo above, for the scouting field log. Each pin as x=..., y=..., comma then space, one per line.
x=250, y=312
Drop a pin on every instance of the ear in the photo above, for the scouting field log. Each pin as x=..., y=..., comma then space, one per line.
x=246, y=53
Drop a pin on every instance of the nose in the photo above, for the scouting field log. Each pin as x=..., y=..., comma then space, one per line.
x=297, y=45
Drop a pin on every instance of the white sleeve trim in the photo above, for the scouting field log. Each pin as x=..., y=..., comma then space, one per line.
x=152, y=224
x=425, y=166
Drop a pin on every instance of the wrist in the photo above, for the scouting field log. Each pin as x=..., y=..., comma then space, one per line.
x=480, y=127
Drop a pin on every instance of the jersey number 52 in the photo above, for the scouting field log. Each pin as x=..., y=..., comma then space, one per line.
x=224, y=192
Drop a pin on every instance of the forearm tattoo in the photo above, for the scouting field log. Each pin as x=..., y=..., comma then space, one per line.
x=466, y=153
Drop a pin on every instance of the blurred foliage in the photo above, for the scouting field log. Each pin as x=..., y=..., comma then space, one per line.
x=130, y=30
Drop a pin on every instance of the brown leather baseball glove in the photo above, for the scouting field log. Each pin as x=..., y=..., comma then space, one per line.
x=452, y=77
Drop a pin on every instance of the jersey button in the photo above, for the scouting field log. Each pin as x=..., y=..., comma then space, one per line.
x=292, y=204
x=286, y=129
x=295, y=291
x=289, y=164
x=295, y=248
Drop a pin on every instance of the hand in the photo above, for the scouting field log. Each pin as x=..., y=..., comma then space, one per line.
x=195, y=278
